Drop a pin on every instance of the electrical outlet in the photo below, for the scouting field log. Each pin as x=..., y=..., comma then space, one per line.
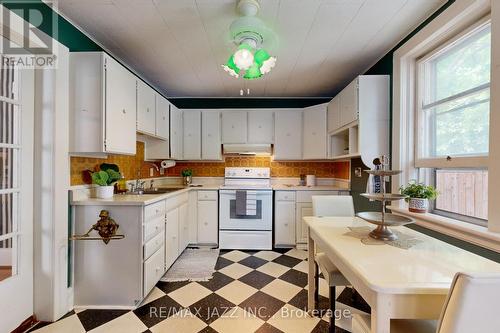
x=358, y=172
x=162, y=171
x=151, y=172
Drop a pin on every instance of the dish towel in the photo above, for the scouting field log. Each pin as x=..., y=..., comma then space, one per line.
x=241, y=203
x=251, y=205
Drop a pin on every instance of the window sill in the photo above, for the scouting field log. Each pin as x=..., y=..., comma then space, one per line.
x=468, y=232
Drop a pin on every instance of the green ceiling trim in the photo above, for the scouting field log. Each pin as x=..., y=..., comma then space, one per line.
x=67, y=34
x=245, y=103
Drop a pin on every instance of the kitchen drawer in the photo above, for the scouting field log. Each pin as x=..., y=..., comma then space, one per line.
x=154, y=268
x=153, y=227
x=306, y=196
x=154, y=244
x=176, y=201
x=285, y=195
x=154, y=210
x=207, y=195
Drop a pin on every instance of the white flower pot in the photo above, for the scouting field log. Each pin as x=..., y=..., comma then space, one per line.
x=104, y=192
x=418, y=205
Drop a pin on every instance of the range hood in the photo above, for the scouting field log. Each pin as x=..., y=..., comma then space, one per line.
x=247, y=149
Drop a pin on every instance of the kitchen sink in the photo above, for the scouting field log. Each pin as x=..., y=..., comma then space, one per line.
x=159, y=190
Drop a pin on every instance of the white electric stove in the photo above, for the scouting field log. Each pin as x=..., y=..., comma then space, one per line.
x=246, y=231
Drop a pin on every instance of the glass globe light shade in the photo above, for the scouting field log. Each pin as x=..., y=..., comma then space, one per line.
x=243, y=58
x=260, y=56
x=267, y=65
x=253, y=72
x=231, y=67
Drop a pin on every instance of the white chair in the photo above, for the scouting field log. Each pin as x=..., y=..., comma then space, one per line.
x=471, y=306
x=330, y=205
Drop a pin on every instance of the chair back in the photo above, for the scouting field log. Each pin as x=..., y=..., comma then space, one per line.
x=332, y=205
x=473, y=304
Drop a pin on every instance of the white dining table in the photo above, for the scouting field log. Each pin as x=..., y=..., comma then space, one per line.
x=397, y=283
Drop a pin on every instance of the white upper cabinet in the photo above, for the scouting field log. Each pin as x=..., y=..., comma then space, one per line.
x=192, y=134
x=334, y=114
x=315, y=138
x=234, y=127
x=349, y=103
x=363, y=121
x=261, y=126
x=102, y=105
x=210, y=135
x=176, y=133
x=162, y=117
x=288, y=135
x=120, y=108
x=146, y=109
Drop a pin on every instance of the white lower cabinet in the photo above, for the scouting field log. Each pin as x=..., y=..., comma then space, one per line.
x=154, y=268
x=284, y=219
x=192, y=217
x=303, y=209
x=208, y=217
x=289, y=209
x=183, y=227
x=171, y=237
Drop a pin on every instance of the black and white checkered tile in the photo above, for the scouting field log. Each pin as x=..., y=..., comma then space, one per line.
x=261, y=292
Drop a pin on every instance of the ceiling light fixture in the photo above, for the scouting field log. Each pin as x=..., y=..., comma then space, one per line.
x=249, y=33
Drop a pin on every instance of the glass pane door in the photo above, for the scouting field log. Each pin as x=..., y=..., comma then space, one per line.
x=10, y=150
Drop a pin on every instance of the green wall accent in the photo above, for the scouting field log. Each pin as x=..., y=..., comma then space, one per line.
x=66, y=33
x=244, y=103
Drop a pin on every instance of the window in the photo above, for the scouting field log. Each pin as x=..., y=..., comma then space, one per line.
x=453, y=109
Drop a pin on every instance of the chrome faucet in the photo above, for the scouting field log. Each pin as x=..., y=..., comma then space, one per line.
x=153, y=164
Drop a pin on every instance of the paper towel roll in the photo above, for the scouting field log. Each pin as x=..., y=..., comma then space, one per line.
x=310, y=180
x=167, y=164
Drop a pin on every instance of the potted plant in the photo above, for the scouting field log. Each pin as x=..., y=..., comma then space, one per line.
x=105, y=178
x=187, y=175
x=418, y=196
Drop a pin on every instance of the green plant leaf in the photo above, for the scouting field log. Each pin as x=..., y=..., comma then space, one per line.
x=187, y=173
x=113, y=176
x=100, y=178
x=108, y=166
x=418, y=190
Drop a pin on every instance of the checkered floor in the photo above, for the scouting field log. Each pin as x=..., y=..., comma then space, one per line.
x=261, y=292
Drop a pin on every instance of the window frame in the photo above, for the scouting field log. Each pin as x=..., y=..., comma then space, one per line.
x=455, y=161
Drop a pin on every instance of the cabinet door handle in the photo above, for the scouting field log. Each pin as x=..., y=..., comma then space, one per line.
x=260, y=126
x=286, y=224
x=206, y=223
x=124, y=111
x=147, y=109
x=163, y=117
x=287, y=134
x=232, y=126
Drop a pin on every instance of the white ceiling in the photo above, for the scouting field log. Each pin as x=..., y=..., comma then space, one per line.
x=179, y=45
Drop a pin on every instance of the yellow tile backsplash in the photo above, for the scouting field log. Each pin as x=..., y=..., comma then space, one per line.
x=130, y=166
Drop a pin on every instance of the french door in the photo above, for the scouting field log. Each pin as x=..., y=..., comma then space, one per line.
x=16, y=195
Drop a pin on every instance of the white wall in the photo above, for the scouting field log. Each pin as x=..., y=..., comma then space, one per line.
x=494, y=158
x=52, y=298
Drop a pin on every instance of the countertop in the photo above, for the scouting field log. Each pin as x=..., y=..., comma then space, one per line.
x=140, y=200
x=147, y=199
x=284, y=187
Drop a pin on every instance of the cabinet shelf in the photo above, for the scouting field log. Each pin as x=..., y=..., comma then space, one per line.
x=358, y=120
